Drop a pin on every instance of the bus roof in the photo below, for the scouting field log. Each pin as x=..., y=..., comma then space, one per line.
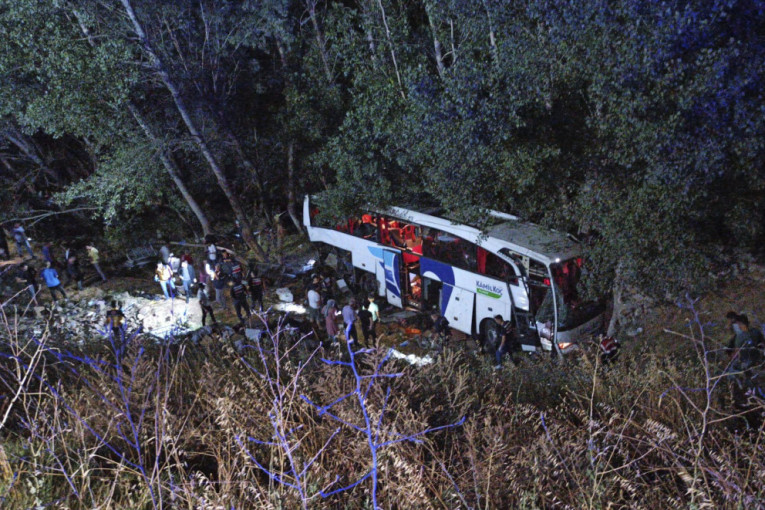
x=544, y=244
x=554, y=245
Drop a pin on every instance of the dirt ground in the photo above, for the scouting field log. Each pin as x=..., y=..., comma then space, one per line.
x=665, y=324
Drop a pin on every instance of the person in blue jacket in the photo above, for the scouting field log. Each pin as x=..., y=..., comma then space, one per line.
x=50, y=276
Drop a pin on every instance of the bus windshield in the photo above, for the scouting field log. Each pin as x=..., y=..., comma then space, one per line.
x=566, y=275
x=571, y=311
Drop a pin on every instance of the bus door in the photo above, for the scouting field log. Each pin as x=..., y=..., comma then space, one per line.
x=412, y=281
x=458, y=308
x=391, y=277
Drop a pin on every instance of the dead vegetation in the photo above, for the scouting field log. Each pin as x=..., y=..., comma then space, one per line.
x=216, y=425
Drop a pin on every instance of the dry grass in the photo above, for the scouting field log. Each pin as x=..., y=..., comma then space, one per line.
x=198, y=427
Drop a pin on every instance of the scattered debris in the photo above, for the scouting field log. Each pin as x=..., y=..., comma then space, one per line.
x=284, y=295
x=140, y=256
x=412, y=359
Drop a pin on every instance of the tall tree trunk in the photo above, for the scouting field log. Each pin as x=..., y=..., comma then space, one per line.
x=291, y=186
x=196, y=134
x=436, y=43
x=492, y=39
x=618, y=297
x=172, y=169
x=392, y=49
x=261, y=205
x=311, y=6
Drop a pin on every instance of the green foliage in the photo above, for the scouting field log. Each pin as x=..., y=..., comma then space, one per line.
x=637, y=125
x=129, y=180
x=586, y=116
x=52, y=79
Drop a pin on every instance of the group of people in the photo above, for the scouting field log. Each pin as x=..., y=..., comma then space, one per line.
x=28, y=273
x=367, y=316
x=220, y=272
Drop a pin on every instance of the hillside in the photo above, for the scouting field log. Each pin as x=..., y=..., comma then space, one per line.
x=215, y=423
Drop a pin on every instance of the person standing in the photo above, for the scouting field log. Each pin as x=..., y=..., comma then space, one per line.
x=22, y=241
x=174, y=262
x=188, y=277
x=375, y=311
x=225, y=266
x=28, y=276
x=212, y=252
x=5, y=252
x=94, y=259
x=236, y=270
x=205, y=305
x=164, y=254
x=441, y=327
x=164, y=275
x=330, y=312
x=239, y=296
x=314, y=304
x=365, y=318
x=209, y=270
x=73, y=270
x=349, y=319
x=115, y=320
x=50, y=276
x=743, y=346
x=47, y=253
x=257, y=287
x=219, y=284
x=507, y=342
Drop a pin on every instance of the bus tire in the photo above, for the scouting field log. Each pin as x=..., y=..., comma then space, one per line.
x=488, y=335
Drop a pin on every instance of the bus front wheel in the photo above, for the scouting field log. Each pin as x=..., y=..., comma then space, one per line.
x=489, y=335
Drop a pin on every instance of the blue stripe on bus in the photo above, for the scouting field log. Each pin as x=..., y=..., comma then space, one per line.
x=392, y=276
x=442, y=272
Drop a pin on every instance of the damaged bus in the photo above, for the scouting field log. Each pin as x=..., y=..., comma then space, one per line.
x=422, y=261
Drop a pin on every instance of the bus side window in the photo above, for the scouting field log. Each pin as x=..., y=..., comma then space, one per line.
x=496, y=267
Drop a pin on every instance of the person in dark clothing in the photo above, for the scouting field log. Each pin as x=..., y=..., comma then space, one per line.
x=239, y=296
x=219, y=284
x=22, y=241
x=257, y=287
x=225, y=267
x=188, y=277
x=47, y=252
x=115, y=320
x=743, y=346
x=756, y=334
x=507, y=340
x=441, y=327
x=73, y=270
x=365, y=318
x=5, y=252
x=204, y=303
x=236, y=270
x=349, y=318
x=28, y=276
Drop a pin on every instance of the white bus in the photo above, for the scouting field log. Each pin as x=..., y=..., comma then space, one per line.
x=525, y=273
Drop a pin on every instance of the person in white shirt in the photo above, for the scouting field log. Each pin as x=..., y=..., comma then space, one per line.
x=314, y=305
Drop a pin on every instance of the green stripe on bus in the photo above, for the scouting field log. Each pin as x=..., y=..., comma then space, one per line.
x=490, y=294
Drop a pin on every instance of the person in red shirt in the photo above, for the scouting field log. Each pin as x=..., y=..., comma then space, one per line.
x=609, y=349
